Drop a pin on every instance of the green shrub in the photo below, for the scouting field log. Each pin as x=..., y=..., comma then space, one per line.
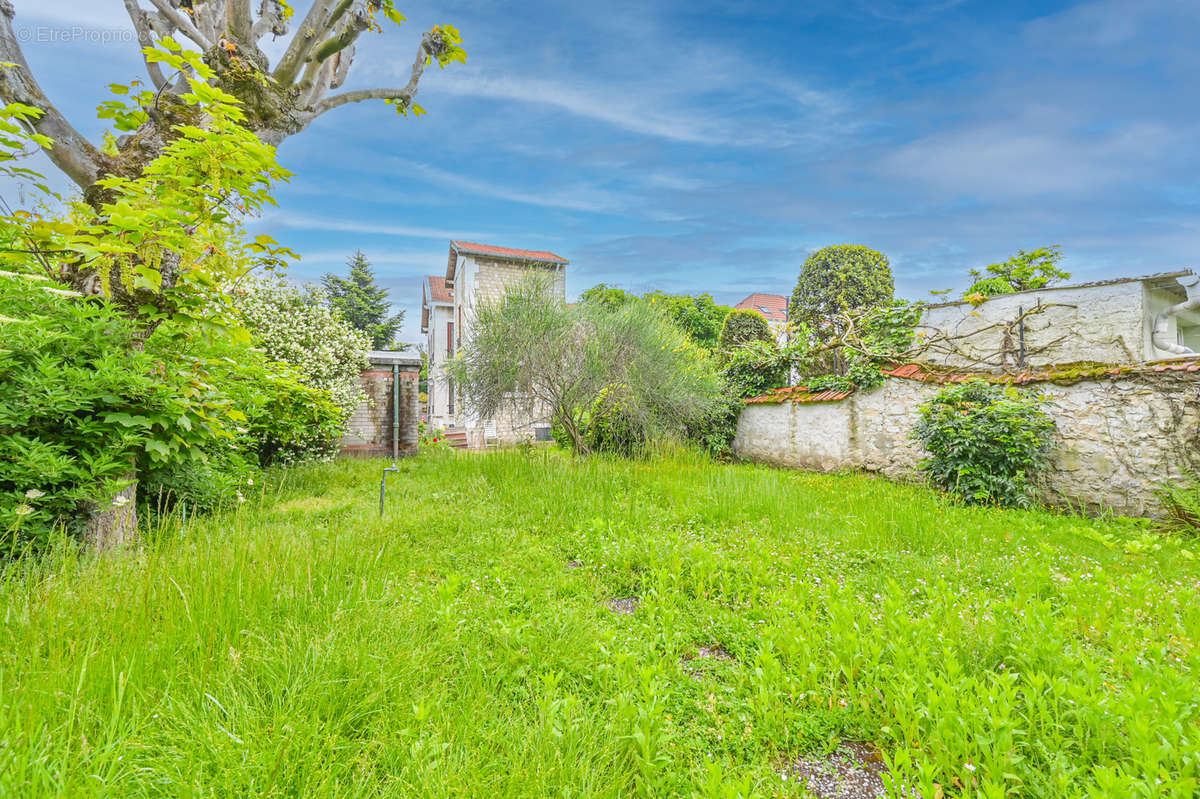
x=79, y=410
x=742, y=326
x=611, y=428
x=985, y=442
x=1182, y=505
x=755, y=368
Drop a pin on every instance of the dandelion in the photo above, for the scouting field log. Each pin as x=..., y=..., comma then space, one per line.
x=23, y=510
x=33, y=493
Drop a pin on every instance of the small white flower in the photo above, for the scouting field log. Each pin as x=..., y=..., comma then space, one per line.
x=969, y=766
x=240, y=498
x=249, y=481
x=23, y=510
x=120, y=502
x=33, y=493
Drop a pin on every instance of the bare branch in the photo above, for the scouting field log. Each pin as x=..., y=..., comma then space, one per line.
x=405, y=95
x=270, y=18
x=181, y=22
x=145, y=34
x=72, y=153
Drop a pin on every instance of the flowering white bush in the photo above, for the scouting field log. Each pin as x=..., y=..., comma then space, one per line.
x=297, y=327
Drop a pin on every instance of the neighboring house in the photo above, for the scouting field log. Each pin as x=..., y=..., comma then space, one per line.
x=1123, y=321
x=772, y=306
x=476, y=274
x=437, y=323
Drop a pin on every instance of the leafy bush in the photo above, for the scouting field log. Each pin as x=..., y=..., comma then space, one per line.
x=986, y=442
x=742, y=326
x=755, y=368
x=297, y=327
x=1182, y=505
x=531, y=353
x=79, y=410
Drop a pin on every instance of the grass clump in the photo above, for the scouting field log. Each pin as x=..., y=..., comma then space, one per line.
x=462, y=645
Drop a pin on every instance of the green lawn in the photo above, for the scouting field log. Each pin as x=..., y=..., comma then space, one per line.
x=303, y=647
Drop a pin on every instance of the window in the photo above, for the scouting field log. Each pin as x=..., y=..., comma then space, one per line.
x=450, y=339
x=449, y=396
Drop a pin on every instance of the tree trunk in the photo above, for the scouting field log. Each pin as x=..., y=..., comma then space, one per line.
x=115, y=525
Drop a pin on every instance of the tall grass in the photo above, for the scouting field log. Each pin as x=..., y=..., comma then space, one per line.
x=301, y=646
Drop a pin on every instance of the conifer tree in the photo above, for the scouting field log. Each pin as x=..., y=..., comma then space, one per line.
x=362, y=303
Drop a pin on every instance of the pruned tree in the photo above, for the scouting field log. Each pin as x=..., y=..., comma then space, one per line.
x=834, y=282
x=742, y=326
x=279, y=99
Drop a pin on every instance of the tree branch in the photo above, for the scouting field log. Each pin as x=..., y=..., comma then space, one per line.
x=270, y=18
x=72, y=153
x=182, y=23
x=406, y=95
x=239, y=25
x=145, y=35
x=317, y=23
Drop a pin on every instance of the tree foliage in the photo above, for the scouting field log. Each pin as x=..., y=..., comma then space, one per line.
x=699, y=316
x=985, y=442
x=626, y=371
x=741, y=326
x=1034, y=269
x=364, y=304
x=835, y=281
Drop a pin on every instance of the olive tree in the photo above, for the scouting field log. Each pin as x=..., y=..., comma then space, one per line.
x=584, y=363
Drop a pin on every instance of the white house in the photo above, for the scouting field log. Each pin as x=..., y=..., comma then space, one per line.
x=475, y=274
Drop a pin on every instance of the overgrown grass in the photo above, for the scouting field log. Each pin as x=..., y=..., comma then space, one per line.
x=303, y=647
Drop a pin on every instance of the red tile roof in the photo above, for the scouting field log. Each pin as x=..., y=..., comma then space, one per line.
x=797, y=394
x=438, y=290
x=772, y=306
x=471, y=248
x=507, y=252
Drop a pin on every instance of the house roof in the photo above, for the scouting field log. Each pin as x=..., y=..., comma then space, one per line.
x=508, y=253
x=772, y=306
x=797, y=394
x=438, y=290
x=434, y=291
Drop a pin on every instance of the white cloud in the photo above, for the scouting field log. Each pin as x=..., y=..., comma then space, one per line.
x=292, y=220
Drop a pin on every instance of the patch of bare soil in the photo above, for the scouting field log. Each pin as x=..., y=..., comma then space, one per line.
x=716, y=652
x=852, y=771
x=627, y=605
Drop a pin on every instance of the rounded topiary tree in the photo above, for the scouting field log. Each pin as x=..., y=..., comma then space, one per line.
x=985, y=442
x=835, y=281
x=742, y=326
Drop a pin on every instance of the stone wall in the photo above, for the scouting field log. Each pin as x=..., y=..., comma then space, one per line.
x=1120, y=438
x=1102, y=323
x=369, y=430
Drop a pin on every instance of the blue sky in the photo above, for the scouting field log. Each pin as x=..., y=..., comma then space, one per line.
x=709, y=146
